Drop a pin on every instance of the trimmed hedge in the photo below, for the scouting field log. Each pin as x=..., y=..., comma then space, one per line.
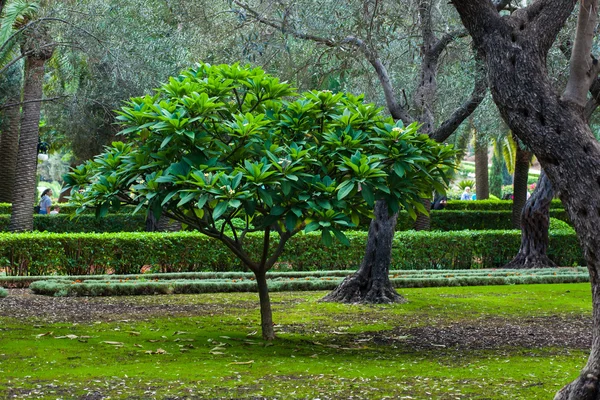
x=279, y=282
x=126, y=253
x=66, y=208
x=63, y=223
x=456, y=220
x=490, y=204
x=3, y=293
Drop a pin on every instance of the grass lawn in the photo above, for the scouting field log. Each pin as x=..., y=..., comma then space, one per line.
x=493, y=342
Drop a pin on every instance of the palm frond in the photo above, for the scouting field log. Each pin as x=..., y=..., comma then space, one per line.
x=15, y=14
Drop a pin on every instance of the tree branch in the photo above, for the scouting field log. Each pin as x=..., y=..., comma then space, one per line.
x=396, y=110
x=461, y=113
x=583, y=68
x=445, y=40
x=31, y=101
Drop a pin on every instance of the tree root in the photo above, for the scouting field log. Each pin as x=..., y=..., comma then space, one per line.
x=585, y=387
x=357, y=289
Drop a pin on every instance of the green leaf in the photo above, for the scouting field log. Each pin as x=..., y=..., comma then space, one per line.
x=186, y=199
x=219, y=210
x=368, y=195
x=341, y=237
x=291, y=220
x=313, y=226
x=344, y=189
x=326, y=238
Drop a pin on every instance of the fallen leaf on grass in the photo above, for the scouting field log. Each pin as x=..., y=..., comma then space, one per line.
x=252, y=333
x=44, y=334
x=183, y=340
x=179, y=333
x=242, y=362
x=158, y=351
x=66, y=337
x=217, y=352
x=218, y=348
x=134, y=333
x=113, y=343
x=137, y=345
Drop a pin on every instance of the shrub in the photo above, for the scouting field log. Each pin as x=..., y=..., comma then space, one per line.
x=127, y=253
x=3, y=293
x=62, y=223
x=492, y=205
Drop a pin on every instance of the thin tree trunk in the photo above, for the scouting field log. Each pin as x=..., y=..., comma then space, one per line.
x=371, y=283
x=9, y=148
x=423, y=222
x=523, y=158
x=24, y=184
x=482, y=188
x=266, y=315
x=535, y=221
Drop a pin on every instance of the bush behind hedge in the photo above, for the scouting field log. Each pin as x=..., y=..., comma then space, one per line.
x=126, y=253
x=490, y=204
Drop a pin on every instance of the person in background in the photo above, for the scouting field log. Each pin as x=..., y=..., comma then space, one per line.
x=439, y=203
x=466, y=194
x=46, y=202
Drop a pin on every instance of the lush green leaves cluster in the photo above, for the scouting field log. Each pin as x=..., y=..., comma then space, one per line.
x=219, y=142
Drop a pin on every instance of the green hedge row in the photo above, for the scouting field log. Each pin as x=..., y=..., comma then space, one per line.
x=113, y=287
x=63, y=223
x=127, y=253
x=66, y=208
x=456, y=220
x=490, y=204
x=3, y=293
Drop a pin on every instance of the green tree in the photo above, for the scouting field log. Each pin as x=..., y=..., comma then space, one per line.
x=222, y=142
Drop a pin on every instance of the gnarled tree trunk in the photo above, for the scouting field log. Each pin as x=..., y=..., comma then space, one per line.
x=523, y=158
x=535, y=221
x=371, y=283
x=555, y=128
x=482, y=187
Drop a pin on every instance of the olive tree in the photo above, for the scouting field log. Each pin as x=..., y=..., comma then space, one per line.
x=222, y=142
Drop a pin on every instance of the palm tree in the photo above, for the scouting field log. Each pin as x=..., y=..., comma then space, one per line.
x=15, y=14
x=39, y=48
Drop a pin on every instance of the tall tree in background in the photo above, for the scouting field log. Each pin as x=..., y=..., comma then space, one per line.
x=39, y=47
x=371, y=283
x=554, y=127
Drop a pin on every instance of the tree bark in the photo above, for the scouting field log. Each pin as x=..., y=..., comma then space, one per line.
x=371, y=283
x=9, y=148
x=555, y=128
x=482, y=187
x=266, y=315
x=523, y=158
x=535, y=221
x=24, y=190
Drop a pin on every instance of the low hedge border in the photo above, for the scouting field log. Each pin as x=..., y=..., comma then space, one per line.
x=3, y=292
x=127, y=253
x=25, y=281
x=111, y=287
x=63, y=223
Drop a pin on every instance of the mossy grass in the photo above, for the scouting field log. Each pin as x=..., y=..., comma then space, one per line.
x=318, y=352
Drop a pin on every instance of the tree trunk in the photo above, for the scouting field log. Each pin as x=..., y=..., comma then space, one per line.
x=482, y=188
x=9, y=148
x=423, y=222
x=24, y=190
x=266, y=315
x=554, y=128
x=535, y=221
x=523, y=158
x=371, y=283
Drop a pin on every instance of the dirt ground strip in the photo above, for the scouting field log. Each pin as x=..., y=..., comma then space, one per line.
x=568, y=332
